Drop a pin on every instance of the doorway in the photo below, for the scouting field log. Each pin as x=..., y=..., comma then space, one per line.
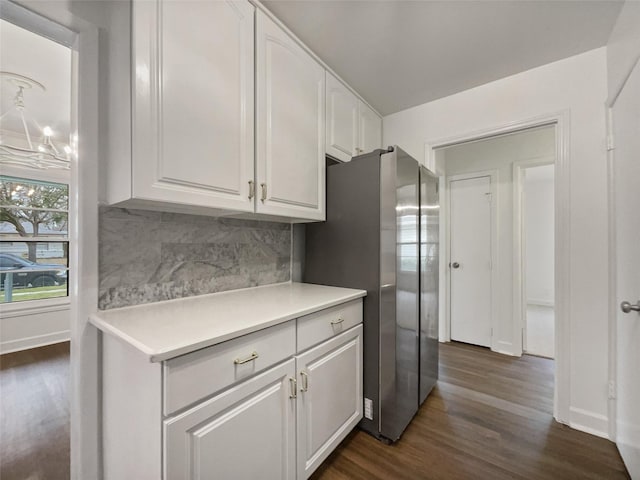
x=38, y=227
x=537, y=187
x=470, y=219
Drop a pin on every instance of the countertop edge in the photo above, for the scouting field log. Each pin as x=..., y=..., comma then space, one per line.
x=156, y=356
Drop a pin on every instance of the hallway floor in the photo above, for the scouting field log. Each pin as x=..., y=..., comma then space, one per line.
x=490, y=417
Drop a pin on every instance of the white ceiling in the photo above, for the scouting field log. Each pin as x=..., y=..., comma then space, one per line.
x=45, y=61
x=398, y=54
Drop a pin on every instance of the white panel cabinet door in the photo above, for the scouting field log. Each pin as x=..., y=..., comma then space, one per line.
x=290, y=126
x=342, y=120
x=194, y=103
x=244, y=433
x=471, y=247
x=329, y=397
x=369, y=129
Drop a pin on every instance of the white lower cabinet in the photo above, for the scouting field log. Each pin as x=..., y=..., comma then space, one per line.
x=269, y=405
x=264, y=426
x=246, y=432
x=329, y=399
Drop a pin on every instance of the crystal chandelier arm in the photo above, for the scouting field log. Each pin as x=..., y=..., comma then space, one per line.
x=26, y=129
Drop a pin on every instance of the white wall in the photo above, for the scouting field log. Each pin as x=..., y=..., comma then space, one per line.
x=577, y=86
x=500, y=153
x=31, y=328
x=539, y=234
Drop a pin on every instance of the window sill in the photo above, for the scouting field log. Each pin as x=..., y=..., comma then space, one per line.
x=30, y=307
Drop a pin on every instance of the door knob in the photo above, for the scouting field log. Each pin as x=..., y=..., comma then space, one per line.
x=627, y=307
x=455, y=265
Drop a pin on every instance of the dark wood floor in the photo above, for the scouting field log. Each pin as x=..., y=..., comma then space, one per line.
x=34, y=414
x=490, y=417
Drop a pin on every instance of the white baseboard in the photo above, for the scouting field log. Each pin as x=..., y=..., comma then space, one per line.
x=540, y=302
x=33, y=342
x=589, y=422
x=505, y=348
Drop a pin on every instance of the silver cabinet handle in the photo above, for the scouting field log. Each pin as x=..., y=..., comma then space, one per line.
x=250, y=358
x=293, y=385
x=264, y=192
x=305, y=381
x=627, y=307
x=252, y=189
x=337, y=322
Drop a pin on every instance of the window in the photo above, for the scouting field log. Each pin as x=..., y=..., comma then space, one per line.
x=34, y=239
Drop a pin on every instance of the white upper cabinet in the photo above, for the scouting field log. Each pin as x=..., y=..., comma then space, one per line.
x=193, y=103
x=369, y=129
x=290, y=125
x=352, y=126
x=216, y=108
x=342, y=120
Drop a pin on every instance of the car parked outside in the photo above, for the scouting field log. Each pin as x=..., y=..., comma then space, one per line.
x=27, y=273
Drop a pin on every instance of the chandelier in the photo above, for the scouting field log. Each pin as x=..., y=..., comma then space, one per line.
x=41, y=153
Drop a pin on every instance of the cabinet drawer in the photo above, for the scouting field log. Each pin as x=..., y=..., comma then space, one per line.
x=319, y=326
x=193, y=376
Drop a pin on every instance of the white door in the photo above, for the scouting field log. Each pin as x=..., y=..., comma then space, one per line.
x=194, y=114
x=470, y=260
x=290, y=153
x=329, y=398
x=244, y=433
x=342, y=120
x=369, y=129
x=626, y=172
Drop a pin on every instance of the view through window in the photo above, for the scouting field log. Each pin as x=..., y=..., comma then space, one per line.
x=34, y=241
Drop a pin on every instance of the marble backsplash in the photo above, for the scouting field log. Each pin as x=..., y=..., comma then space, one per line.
x=147, y=256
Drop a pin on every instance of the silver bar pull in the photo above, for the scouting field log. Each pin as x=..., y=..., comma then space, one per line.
x=252, y=189
x=293, y=385
x=627, y=307
x=264, y=192
x=250, y=358
x=305, y=381
x=337, y=322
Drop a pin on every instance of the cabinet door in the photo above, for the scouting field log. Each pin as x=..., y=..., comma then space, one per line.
x=246, y=432
x=342, y=120
x=370, y=129
x=194, y=103
x=329, y=397
x=290, y=126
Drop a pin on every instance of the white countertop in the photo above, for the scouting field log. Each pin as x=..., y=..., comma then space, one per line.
x=164, y=330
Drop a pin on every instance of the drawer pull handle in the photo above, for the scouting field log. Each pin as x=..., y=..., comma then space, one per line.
x=293, y=385
x=337, y=322
x=305, y=381
x=250, y=358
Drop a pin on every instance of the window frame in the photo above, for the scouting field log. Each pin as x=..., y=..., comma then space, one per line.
x=41, y=305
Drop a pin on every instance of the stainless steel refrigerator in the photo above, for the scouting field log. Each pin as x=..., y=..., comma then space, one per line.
x=381, y=235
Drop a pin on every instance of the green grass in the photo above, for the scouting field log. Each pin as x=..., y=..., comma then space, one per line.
x=24, y=294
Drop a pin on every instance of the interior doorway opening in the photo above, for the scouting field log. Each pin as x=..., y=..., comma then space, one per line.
x=505, y=162
x=538, y=237
x=38, y=231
